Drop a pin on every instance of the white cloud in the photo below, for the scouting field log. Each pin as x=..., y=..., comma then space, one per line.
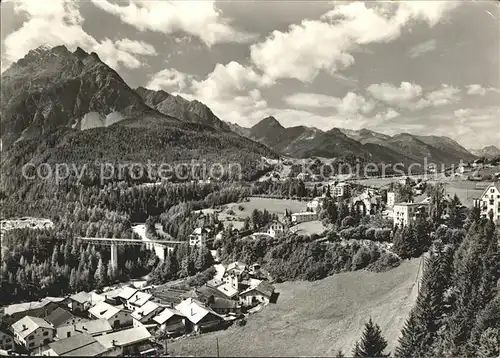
x=170, y=80
x=306, y=49
x=401, y=97
x=349, y=104
x=479, y=90
x=59, y=22
x=387, y=114
x=197, y=18
x=227, y=80
x=443, y=96
x=422, y=48
x=137, y=47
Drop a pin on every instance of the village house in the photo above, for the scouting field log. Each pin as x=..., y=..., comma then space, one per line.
x=171, y=321
x=94, y=328
x=489, y=201
x=199, y=317
x=259, y=292
x=366, y=202
x=340, y=190
x=82, y=345
x=298, y=218
x=144, y=314
x=126, y=342
x=404, y=213
x=235, y=267
x=6, y=341
x=316, y=204
x=275, y=228
x=137, y=300
x=41, y=308
x=125, y=295
x=224, y=306
x=61, y=317
x=32, y=332
x=391, y=199
x=200, y=237
x=82, y=301
x=116, y=316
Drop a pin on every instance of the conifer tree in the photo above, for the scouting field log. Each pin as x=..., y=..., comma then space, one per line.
x=100, y=273
x=372, y=343
x=489, y=344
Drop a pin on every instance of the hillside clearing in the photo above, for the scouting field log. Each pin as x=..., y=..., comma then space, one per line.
x=274, y=206
x=317, y=318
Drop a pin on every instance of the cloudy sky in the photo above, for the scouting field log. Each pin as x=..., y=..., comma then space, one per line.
x=422, y=67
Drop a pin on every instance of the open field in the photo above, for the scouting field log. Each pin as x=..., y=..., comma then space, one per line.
x=274, y=206
x=317, y=318
x=309, y=228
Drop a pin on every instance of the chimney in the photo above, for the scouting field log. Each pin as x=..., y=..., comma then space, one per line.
x=113, y=342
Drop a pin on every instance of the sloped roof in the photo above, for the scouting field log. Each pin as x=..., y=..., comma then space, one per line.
x=27, y=325
x=264, y=287
x=495, y=184
x=139, y=298
x=236, y=266
x=91, y=327
x=103, y=310
x=144, y=310
x=124, y=337
x=166, y=314
x=81, y=344
x=26, y=306
x=228, y=290
x=194, y=310
x=81, y=297
x=127, y=292
x=224, y=303
x=59, y=316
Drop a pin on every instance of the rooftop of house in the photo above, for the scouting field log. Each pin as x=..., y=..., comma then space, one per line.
x=127, y=292
x=236, y=265
x=411, y=204
x=304, y=213
x=140, y=298
x=27, y=325
x=91, y=327
x=200, y=230
x=166, y=314
x=124, y=337
x=59, y=316
x=78, y=345
x=194, y=310
x=495, y=185
x=112, y=293
x=81, y=297
x=144, y=310
x=263, y=287
x=228, y=290
x=224, y=303
x=26, y=306
x=103, y=310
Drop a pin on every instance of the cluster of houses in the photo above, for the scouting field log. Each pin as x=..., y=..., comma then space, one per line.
x=124, y=320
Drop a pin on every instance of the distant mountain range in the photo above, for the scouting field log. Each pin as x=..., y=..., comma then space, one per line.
x=489, y=152
x=305, y=142
x=58, y=105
